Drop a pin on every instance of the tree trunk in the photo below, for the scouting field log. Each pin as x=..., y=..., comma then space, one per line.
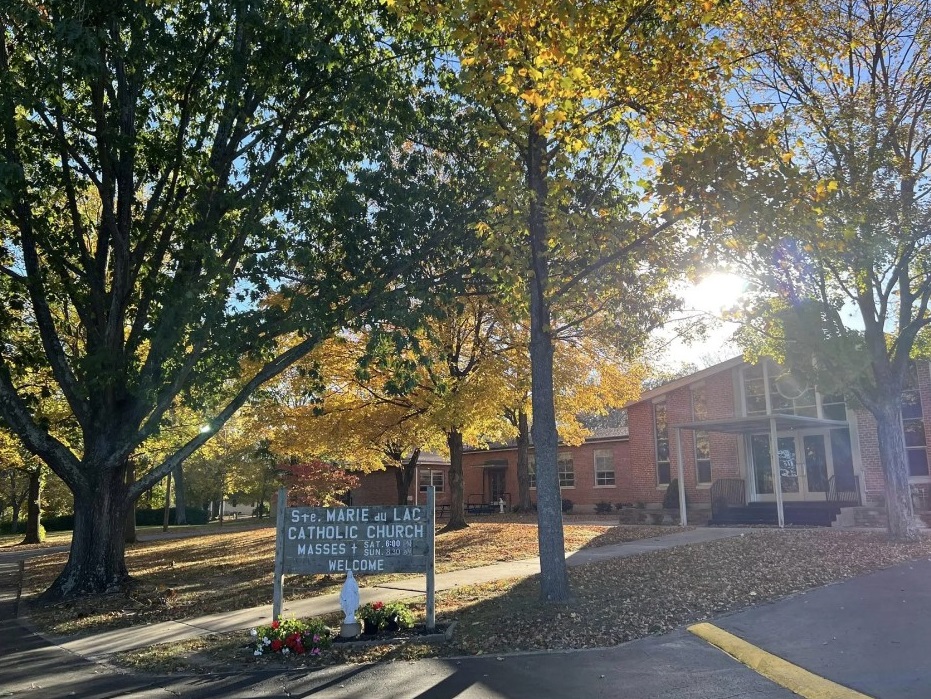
x=34, y=509
x=180, y=504
x=456, y=498
x=404, y=476
x=894, y=461
x=95, y=564
x=523, y=462
x=129, y=532
x=167, y=513
x=15, y=505
x=554, y=579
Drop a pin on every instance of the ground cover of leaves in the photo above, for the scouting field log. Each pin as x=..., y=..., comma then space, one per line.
x=614, y=601
x=186, y=577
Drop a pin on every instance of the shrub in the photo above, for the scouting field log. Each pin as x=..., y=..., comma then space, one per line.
x=291, y=636
x=566, y=505
x=621, y=505
x=671, y=499
x=603, y=508
x=378, y=616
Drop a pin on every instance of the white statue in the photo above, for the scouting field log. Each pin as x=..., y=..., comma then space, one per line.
x=349, y=598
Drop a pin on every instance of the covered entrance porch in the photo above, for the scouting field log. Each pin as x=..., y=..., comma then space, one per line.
x=798, y=470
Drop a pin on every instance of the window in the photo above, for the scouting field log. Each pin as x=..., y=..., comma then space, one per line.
x=566, y=471
x=434, y=478
x=702, y=440
x=787, y=394
x=532, y=470
x=754, y=390
x=913, y=425
x=662, y=444
x=604, y=467
x=834, y=407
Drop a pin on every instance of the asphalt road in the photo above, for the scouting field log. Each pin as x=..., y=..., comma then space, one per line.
x=871, y=633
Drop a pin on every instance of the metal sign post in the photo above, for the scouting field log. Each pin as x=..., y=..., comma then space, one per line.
x=431, y=558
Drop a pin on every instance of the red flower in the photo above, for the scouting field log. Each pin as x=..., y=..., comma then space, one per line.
x=378, y=605
x=276, y=624
x=276, y=645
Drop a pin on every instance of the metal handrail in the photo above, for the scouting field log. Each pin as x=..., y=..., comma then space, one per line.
x=727, y=492
x=846, y=495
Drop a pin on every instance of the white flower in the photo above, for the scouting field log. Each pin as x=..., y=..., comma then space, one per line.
x=253, y=632
x=266, y=641
x=285, y=651
x=258, y=652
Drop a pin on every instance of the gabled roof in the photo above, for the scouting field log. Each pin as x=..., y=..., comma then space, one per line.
x=690, y=379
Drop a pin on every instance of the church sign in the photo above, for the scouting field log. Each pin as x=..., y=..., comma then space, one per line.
x=362, y=540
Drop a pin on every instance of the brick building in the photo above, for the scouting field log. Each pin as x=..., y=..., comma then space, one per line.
x=716, y=427
x=380, y=487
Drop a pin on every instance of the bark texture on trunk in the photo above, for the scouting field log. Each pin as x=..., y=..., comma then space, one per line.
x=523, y=462
x=456, y=498
x=554, y=579
x=404, y=476
x=180, y=502
x=34, y=509
x=892, y=455
x=129, y=532
x=95, y=564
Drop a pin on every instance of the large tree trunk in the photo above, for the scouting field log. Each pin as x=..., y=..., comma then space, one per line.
x=404, y=475
x=129, y=531
x=34, y=509
x=96, y=564
x=894, y=461
x=180, y=504
x=554, y=579
x=456, y=498
x=523, y=462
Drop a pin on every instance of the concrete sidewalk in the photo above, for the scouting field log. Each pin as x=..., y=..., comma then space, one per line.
x=102, y=644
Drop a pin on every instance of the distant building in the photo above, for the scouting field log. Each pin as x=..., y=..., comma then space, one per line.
x=717, y=423
x=380, y=487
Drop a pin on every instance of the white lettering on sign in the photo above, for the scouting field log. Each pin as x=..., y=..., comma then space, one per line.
x=371, y=539
x=359, y=565
x=390, y=531
x=347, y=514
x=329, y=531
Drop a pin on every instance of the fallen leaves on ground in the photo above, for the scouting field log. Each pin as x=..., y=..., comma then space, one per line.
x=613, y=601
x=187, y=577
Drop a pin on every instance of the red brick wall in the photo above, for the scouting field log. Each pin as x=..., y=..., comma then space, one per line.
x=869, y=446
x=719, y=399
x=583, y=495
x=379, y=488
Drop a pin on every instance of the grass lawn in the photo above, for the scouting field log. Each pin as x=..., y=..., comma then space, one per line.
x=613, y=601
x=232, y=569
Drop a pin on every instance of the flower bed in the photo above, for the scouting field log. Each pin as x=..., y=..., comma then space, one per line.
x=296, y=636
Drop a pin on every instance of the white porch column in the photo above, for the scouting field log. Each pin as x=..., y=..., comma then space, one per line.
x=683, y=516
x=774, y=464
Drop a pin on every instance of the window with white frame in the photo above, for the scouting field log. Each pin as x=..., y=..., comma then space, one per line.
x=566, y=471
x=702, y=438
x=435, y=478
x=604, y=467
x=916, y=446
x=532, y=470
x=662, y=443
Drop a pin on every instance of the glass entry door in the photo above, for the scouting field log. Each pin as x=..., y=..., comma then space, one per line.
x=804, y=466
